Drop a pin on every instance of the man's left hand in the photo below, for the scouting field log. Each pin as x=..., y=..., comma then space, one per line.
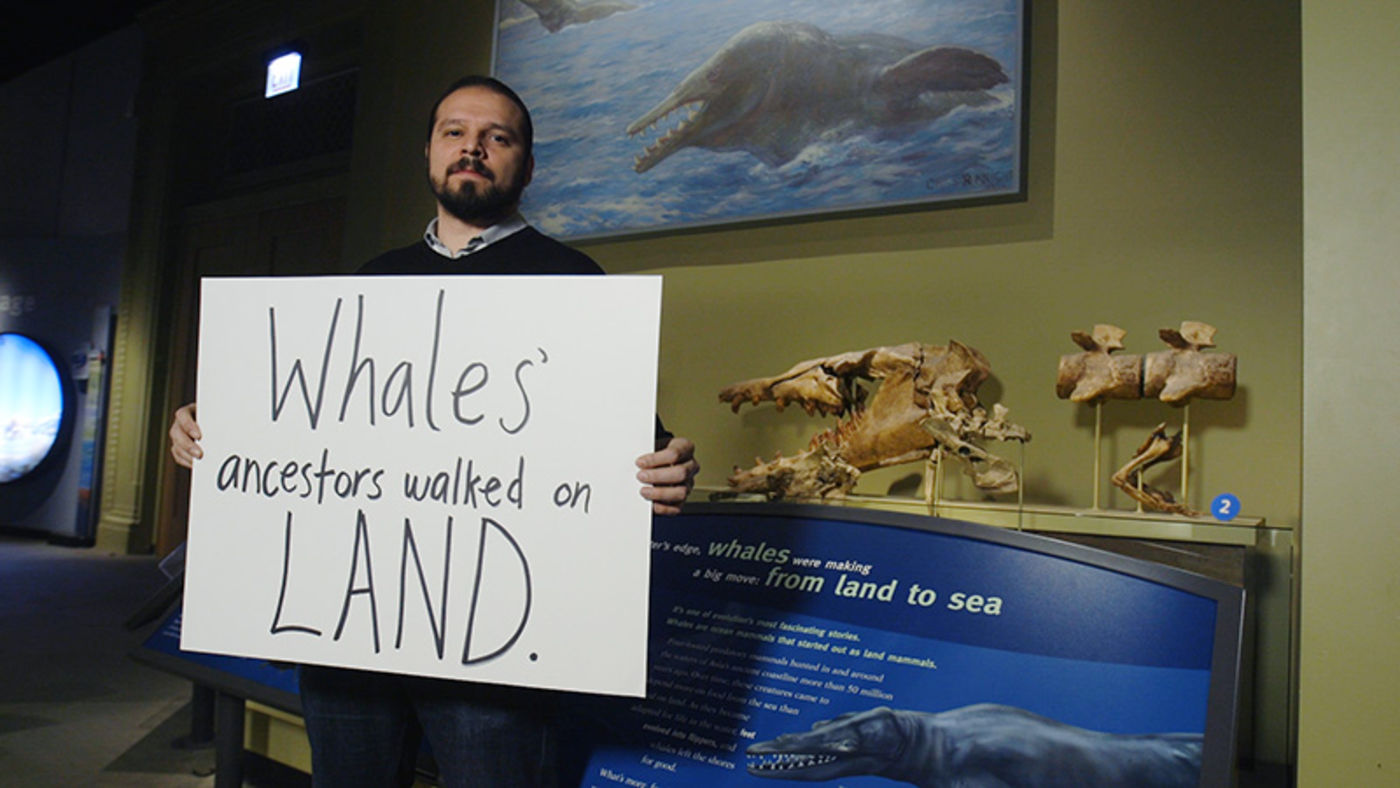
x=668, y=474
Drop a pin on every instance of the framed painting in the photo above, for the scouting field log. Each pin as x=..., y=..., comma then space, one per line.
x=656, y=115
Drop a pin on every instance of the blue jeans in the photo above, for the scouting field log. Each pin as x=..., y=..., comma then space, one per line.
x=365, y=730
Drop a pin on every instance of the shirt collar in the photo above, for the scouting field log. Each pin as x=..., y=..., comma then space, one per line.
x=503, y=229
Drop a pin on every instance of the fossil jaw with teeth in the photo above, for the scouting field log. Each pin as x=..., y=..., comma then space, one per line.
x=926, y=398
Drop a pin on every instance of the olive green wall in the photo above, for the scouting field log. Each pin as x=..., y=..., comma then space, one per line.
x=1164, y=186
x=1349, y=696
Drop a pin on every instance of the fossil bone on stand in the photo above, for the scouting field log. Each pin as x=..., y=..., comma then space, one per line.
x=926, y=402
x=1096, y=375
x=1173, y=376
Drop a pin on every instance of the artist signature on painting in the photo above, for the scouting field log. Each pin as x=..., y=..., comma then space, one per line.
x=969, y=179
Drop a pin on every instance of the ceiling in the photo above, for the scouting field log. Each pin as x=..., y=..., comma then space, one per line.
x=35, y=33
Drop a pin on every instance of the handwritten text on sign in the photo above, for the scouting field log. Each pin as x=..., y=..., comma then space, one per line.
x=426, y=475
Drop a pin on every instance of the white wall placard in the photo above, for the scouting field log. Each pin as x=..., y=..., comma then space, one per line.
x=426, y=475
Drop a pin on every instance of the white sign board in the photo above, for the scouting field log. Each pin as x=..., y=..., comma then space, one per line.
x=426, y=475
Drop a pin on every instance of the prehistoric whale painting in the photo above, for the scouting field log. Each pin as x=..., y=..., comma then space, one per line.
x=652, y=115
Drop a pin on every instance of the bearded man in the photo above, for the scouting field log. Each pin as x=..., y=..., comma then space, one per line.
x=365, y=727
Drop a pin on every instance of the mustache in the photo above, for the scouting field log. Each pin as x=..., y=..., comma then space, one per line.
x=470, y=163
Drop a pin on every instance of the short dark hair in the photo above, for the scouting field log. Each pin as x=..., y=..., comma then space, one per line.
x=495, y=86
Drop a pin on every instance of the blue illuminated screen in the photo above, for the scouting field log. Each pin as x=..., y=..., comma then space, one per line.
x=31, y=405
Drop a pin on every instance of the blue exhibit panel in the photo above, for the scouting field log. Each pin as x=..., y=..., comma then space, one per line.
x=1044, y=604
x=832, y=648
x=255, y=679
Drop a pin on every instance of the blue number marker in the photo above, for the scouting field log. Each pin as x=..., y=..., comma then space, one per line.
x=1225, y=507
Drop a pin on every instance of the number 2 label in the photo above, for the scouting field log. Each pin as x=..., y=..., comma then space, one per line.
x=1225, y=507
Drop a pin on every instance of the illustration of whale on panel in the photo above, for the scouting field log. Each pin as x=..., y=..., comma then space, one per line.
x=776, y=87
x=556, y=15
x=985, y=745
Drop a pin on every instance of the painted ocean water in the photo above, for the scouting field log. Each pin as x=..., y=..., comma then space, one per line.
x=587, y=82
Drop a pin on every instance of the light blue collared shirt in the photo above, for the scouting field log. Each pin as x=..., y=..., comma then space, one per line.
x=492, y=234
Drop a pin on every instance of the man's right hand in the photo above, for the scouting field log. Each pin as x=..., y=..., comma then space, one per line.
x=184, y=437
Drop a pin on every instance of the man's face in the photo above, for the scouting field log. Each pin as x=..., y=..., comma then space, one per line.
x=477, y=163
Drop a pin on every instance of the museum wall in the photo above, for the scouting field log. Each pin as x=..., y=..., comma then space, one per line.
x=1164, y=185
x=1349, y=700
x=67, y=129
x=67, y=139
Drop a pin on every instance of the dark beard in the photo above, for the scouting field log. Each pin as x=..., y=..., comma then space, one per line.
x=493, y=205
